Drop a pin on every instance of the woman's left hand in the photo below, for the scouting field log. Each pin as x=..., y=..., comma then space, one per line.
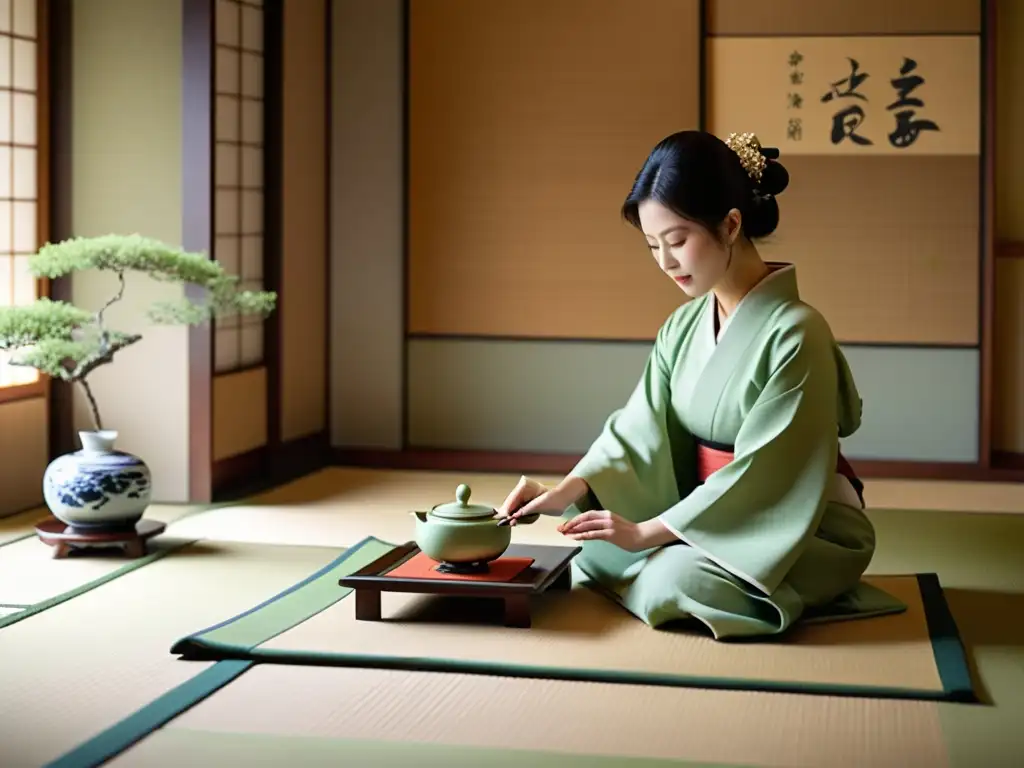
x=606, y=526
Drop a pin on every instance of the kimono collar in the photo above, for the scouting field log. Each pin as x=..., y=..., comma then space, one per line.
x=778, y=286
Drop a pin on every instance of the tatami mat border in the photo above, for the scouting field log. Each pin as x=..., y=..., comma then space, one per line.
x=119, y=737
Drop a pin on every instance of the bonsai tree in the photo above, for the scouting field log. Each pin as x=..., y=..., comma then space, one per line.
x=69, y=343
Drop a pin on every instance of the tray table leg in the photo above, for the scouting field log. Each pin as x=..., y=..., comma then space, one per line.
x=563, y=581
x=368, y=605
x=517, y=611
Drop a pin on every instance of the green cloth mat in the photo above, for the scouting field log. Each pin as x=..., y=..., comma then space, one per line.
x=241, y=637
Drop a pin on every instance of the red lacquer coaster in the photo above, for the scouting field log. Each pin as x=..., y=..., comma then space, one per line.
x=419, y=566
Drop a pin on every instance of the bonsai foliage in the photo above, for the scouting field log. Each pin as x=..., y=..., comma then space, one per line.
x=68, y=343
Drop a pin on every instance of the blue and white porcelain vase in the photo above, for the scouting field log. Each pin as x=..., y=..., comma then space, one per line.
x=98, y=488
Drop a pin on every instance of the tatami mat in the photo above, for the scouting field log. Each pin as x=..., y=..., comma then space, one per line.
x=71, y=671
x=30, y=576
x=977, y=558
x=340, y=507
x=79, y=667
x=19, y=526
x=945, y=495
x=572, y=718
x=174, y=747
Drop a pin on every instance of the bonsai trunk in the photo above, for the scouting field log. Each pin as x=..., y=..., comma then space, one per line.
x=94, y=409
x=106, y=353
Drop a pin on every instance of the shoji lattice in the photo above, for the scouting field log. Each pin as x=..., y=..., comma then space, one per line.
x=238, y=174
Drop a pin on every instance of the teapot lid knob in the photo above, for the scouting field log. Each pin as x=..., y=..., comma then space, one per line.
x=462, y=494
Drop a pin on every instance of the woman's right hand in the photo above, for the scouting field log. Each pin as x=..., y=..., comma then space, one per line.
x=532, y=498
x=528, y=498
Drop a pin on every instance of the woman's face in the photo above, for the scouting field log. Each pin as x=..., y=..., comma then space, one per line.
x=687, y=252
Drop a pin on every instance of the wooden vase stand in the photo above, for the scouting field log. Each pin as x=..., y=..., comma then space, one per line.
x=65, y=538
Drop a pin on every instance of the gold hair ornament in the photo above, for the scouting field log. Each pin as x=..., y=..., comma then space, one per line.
x=748, y=148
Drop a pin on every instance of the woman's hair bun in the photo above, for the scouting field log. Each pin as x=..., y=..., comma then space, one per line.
x=762, y=215
x=774, y=177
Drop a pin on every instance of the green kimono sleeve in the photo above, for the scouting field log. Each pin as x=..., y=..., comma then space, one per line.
x=630, y=466
x=754, y=515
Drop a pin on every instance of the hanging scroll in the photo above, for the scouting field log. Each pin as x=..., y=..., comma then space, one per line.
x=849, y=95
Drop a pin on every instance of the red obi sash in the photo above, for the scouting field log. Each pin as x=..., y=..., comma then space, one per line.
x=711, y=457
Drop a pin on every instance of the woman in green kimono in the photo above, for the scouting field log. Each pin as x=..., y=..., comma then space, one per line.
x=718, y=492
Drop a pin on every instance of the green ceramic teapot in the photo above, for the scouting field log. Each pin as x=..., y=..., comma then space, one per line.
x=463, y=536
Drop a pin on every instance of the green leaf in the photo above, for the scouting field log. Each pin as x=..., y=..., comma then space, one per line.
x=186, y=312
x=44, y=319
x=55, y=357
x=74, y=359
x=124, y=253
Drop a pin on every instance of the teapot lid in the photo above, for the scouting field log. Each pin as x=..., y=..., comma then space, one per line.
x=462, y=509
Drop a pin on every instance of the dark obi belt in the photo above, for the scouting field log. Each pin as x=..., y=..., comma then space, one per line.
x=711, y=457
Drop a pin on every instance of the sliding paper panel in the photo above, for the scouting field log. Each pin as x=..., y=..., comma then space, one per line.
x=528, y=121
x=554, y=397
x=238, y=175
x=842, y=17
x=919, y=404
x=21, y=131
x=893, y=96
x=537, y=396
x=887, y=251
